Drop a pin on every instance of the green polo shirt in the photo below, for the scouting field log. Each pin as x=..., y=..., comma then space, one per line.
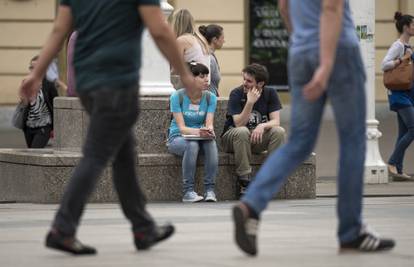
x=108, y=47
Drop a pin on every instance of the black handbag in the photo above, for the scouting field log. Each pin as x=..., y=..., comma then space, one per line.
x=18, y=116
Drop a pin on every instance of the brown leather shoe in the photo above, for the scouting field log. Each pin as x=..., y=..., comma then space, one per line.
x=245, y=229
x=402, y=177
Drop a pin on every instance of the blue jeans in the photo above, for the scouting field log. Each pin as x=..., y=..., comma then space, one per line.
x=188, y=149
x=405, y=136
x=346, y=94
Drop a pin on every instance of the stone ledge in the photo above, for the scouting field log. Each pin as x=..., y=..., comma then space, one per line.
x=57, y=158
x=41, y=175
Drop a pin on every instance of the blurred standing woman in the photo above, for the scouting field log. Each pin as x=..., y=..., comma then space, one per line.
x=192, y=131
x=215, y=38
x=193, y=46
x=402, y=102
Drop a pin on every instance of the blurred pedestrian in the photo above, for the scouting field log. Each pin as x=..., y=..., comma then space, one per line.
x=402, y=102
x=324, y=64
x=107, y=62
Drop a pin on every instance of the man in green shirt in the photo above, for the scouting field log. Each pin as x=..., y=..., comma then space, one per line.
x=107, y=61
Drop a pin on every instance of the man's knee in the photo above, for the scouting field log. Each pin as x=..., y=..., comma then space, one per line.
x=278, y=133
x=241, y=133
x=410, y=132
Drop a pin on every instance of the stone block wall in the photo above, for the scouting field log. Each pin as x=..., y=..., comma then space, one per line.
x=40, y=176
x=71, y=122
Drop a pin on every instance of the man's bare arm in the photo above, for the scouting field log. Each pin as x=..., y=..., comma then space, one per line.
x=283, y=6
x=61, y=28
x=243, y=118
x=330, y=28
x=274, y=120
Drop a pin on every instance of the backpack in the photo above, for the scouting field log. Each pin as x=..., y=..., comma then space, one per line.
x=181, y=100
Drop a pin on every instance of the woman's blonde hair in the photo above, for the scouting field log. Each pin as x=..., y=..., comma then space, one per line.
x=183, y=23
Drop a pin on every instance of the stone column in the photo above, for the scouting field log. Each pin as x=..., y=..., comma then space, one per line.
x=364, y=17
x=155, y=69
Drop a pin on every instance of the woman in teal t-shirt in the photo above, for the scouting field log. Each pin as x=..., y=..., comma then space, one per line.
x=191, y=131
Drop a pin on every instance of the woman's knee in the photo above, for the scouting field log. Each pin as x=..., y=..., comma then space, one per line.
x=192, y=147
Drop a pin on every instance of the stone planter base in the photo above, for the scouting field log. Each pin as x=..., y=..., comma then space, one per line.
x=40, y=176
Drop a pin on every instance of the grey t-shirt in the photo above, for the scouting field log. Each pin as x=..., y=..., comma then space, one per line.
x=305, y=18
x=215, y=75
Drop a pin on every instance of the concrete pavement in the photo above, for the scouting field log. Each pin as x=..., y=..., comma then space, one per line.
x=326, y=187
x=292, y=233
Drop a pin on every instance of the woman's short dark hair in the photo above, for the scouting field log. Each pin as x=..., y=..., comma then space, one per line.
x=402, y=20
x=259, y=72
x=197, y=68
x=211, y=31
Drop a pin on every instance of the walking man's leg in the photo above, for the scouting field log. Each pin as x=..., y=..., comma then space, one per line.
x=347, y=95
x=112, y=115
x=133, y=200
x=305, y=122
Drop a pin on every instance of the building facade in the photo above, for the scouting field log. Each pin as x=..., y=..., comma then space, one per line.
x=25, y=24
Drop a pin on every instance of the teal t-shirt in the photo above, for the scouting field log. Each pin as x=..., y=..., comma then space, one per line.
x=194, y=114
x=108, y=47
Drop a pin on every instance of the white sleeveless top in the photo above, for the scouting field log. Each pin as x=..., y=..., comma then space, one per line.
x=195, y=53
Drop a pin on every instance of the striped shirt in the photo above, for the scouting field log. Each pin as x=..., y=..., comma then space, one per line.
x=39, y=115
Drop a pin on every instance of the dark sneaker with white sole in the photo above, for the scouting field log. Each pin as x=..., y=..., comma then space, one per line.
x=145, y=240
x=242, y=183
x=368, y=241
x=245, y=229
x=56, y=240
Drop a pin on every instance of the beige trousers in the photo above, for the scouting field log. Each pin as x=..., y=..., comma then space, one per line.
x=237, y=140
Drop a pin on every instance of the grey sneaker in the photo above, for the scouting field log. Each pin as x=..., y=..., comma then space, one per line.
x=192, y=197
x=210, y=196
